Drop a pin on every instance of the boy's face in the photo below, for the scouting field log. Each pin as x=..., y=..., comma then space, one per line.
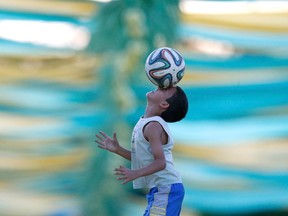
x=160, y=95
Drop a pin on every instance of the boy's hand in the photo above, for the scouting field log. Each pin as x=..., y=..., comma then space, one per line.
x=106, y=142
x=126, y=174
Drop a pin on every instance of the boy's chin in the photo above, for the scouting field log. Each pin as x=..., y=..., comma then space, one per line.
x=148, y=95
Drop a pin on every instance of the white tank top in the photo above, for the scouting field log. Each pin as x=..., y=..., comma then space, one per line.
x=141, y=156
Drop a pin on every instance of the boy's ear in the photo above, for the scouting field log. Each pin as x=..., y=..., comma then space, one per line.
x=164, y=105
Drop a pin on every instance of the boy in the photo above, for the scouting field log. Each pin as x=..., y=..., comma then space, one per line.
x=150, y=155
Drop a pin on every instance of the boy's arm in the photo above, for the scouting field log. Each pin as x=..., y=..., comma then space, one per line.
x=153, y=132
x=112, y=145
x=123, y=152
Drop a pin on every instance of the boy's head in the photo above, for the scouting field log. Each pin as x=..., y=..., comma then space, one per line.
x=178, y=106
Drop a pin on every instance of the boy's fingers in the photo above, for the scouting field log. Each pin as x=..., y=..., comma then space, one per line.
x=121, y=178
x=121, y=168
x=114, y=136
x=102, y=146
x=99, y=142
x=99, y=137
x=119, y=173
x=103, y=134
x=124, y=182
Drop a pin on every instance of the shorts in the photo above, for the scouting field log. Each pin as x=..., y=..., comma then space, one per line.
x=165, y=200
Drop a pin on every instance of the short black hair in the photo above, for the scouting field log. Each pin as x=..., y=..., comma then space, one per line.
x=178, y=106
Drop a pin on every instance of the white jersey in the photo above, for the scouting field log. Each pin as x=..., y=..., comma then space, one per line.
x=141, y=156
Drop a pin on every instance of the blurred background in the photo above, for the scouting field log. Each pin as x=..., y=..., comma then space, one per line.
x=69, y=68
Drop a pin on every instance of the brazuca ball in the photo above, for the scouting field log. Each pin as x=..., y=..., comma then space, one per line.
x=165, y=67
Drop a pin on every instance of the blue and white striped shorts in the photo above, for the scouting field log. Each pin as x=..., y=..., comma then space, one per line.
x=165, y=200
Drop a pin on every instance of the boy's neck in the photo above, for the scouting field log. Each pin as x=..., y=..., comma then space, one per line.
x=150, y=112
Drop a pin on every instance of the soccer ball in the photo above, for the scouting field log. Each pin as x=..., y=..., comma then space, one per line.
x=165, y=67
